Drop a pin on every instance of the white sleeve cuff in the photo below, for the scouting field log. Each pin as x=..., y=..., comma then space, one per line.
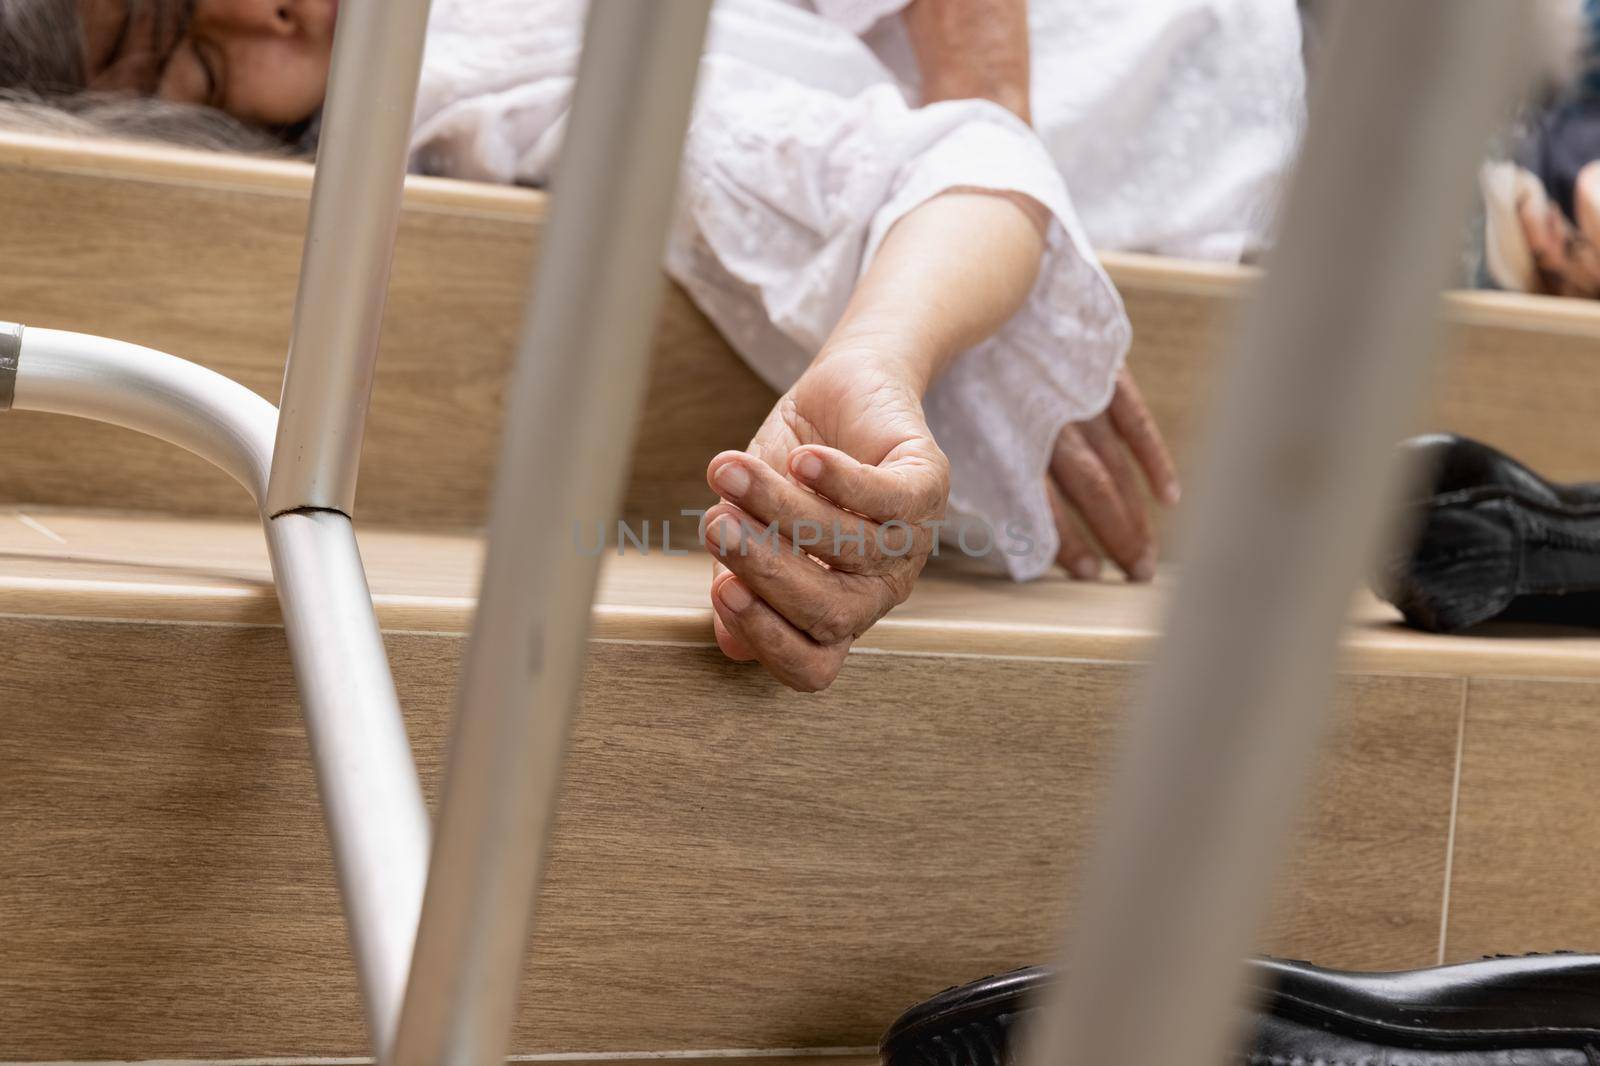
x=998, y=410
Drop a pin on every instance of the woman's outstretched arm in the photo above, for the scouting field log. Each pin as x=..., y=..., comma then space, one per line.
x=845, y=471
x=947, y=276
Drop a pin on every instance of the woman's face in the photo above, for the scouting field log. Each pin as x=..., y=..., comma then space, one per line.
x=263, y=61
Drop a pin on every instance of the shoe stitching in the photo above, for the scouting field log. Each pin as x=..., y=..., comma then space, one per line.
x=1255, y=1058
x=1391, y=1028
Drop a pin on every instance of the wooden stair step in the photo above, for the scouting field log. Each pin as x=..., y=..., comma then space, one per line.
x=735, y=865
x=134, y=567
x=197, y=254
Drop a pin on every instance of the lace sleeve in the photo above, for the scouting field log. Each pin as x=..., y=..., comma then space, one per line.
x=788, y=192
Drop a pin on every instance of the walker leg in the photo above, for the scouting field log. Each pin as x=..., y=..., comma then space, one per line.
x=377, y=821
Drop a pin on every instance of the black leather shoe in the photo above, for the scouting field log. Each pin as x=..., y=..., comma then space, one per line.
x=1537, y=1010
x=1492, y=538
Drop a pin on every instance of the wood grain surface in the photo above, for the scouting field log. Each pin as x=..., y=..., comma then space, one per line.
x=1527, y=847
x=153, y=568
x=1520, y=372
x=735, y=865
x=197, y=254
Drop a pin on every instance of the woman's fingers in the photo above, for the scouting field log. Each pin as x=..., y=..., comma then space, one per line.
x=788, y=654
x=908, y=489
x=843, y=540
x=1075, y=554
x=731, y=646
x=1132, y=419
x=815, y=564
x=1107, y=446
x=1090, y=488
x=829, y=606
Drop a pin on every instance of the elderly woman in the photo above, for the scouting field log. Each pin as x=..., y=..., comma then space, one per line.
x=888, y=207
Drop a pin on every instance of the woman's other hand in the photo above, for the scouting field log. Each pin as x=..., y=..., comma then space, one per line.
x=844, y=473
x=1096, y=483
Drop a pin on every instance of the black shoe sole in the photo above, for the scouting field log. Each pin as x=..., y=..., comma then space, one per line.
x=1503, y=1004
x=966, y=1025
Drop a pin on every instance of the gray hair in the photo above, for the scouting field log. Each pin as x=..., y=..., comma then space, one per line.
x=41, y=46
x=44, y=88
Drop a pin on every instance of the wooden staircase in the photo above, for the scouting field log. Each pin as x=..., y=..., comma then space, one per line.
x=198, y=255
x=736, y=866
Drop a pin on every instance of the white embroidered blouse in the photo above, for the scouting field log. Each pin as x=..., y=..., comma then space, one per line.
x=1162, y=126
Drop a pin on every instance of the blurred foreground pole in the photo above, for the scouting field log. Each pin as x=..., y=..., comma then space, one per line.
x=1296, y=476
x=569, y=427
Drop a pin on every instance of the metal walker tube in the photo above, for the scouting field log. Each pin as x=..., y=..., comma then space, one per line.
x=366, y=776
x=344, y=268
x=587, y=339
x=146, y=391
x=364, y=766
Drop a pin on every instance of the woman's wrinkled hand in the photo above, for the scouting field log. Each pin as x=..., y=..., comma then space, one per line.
x=826, y=520
x=1096, y=487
